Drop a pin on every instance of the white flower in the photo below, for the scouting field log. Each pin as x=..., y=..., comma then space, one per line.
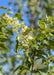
x=24, y=28
x=30, y=37
x=6, y=16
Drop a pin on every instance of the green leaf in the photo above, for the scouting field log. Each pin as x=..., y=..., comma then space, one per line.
x=21, y=67
x=18, y=15
x=17, y=41
x=18, y=56
x=42, y=24
x=51, y=43
x=27, y=31
x=2, y=7
x=25, y=71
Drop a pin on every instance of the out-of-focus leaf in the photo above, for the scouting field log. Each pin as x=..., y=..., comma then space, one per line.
x=21, y=67
x=25, y=71
x=18, y=15
x=2, y=7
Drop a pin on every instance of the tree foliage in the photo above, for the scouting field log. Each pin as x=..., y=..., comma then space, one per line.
x=37, y=45
x=36, y=41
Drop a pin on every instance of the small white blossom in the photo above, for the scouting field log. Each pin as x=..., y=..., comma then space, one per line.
x=30, y=37
x=24, y=28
